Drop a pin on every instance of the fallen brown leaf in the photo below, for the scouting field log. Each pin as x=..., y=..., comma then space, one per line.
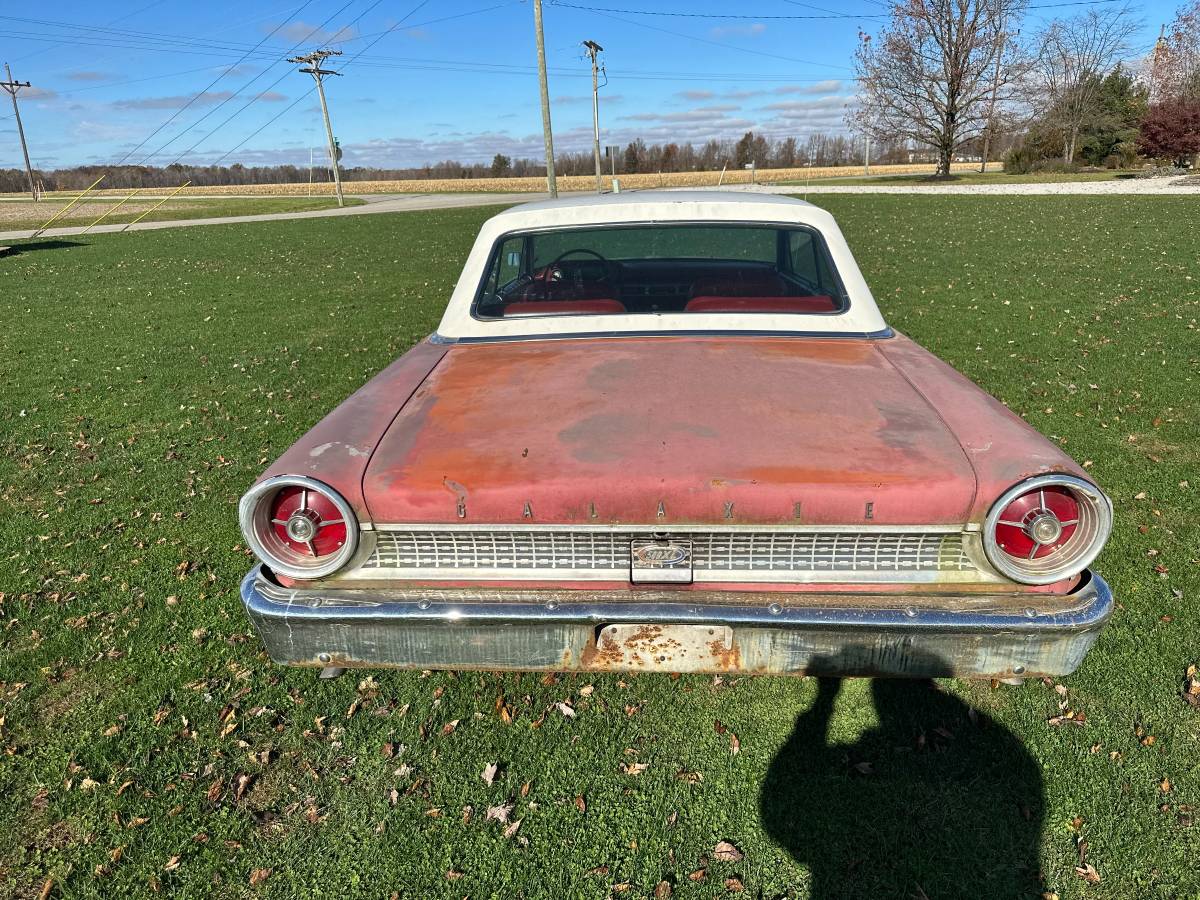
x=499, y=813
x=1088, y=873
x=734, y=885
x=512, y=829
x=635, y=768
x=258, y=876
x=172, y=864
x=489, y=773
x=726, y=852
x=1070, y=719
x=581, y=804
x=449, y=727
x=451, y=875
x=662, y=890
x=698, y=875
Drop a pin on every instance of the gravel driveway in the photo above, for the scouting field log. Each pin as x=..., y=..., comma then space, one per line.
x=1124, y=186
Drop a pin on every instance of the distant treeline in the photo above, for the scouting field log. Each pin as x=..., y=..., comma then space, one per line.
x=635, y=157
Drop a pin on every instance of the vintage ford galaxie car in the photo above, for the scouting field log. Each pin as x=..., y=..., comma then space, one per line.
x=671, y=431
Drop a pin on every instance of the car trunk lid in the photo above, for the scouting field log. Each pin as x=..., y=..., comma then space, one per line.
x=710, y=430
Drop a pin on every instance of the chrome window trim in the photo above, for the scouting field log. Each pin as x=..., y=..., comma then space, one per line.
x=776, y=225
x=882, y=334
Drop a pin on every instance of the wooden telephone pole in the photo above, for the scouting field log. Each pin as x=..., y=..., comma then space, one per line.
x=547, y=133
x=593, y=49
x=312, y=66
x=12, y=87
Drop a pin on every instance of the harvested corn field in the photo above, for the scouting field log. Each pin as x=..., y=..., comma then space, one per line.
x=17, y=215
x=538, y=183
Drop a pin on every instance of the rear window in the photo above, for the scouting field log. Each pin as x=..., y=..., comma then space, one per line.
x=675, y=268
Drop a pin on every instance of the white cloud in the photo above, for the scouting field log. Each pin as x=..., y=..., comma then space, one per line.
x=208, y=98
x=313, y=34
x=831, y=86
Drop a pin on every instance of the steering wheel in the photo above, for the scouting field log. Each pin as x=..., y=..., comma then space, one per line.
x=554, y=273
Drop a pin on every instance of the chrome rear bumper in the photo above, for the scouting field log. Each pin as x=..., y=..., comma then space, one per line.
x=964, y=635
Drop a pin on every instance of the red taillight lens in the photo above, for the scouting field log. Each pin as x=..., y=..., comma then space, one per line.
x=299, y=526
x=1037, y=523
x=307, y=521
x=1047, y=528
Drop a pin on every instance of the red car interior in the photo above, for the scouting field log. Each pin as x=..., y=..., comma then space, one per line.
x=555, y=307
x=762, y=304
x=744, y=284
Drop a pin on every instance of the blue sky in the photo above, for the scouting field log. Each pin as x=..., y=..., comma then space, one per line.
x=446, y=79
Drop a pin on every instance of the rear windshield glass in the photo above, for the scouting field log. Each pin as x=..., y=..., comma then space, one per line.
x=676, y=268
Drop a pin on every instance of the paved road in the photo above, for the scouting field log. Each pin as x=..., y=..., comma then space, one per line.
x=376, y=203
x=382, y=203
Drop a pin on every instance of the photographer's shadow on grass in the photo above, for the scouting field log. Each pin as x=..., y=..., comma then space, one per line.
x=936, y=801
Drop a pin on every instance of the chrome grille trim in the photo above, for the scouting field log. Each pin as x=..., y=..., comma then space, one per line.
x=737, y=554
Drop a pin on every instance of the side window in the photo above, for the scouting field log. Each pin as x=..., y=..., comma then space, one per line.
x=507, y=265
x=804, y=253
x=808, y=260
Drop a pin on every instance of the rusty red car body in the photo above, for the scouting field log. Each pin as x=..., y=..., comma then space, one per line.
x=580, y=491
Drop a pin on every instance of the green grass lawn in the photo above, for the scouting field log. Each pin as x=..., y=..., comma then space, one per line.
x=149, y=746
x=17, y=214
x=964, y=178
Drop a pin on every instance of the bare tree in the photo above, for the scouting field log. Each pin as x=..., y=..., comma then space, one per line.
x=1074, y=55
x=931, y=75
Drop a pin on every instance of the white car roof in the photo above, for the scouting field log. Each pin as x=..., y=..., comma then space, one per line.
x=861, y=318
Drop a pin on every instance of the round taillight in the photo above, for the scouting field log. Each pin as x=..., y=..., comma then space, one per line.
x=1047, y=528
x=299, y=526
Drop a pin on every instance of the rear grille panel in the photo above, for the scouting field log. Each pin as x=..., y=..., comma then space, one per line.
x=733, y=555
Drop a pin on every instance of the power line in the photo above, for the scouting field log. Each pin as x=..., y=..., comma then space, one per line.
x=297, y=101
x=247, y=84
x=724, y=46
x=127, y=15
x=111, y=84
x=205, y=90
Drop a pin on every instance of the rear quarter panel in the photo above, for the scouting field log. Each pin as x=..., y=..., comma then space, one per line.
x=337, y=449
x=1002, y=447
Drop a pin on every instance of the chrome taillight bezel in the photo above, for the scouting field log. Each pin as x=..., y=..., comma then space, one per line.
x=254, y=512
x=1085, y=544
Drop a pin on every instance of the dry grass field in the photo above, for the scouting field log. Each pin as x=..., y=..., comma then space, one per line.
x=538, y=183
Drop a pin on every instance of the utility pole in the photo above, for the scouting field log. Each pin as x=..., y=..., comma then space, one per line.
x=551, y=183
x=987, y=131
x=867, y=154
x=12, y=87
x=592, y=50
x=313, y=67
